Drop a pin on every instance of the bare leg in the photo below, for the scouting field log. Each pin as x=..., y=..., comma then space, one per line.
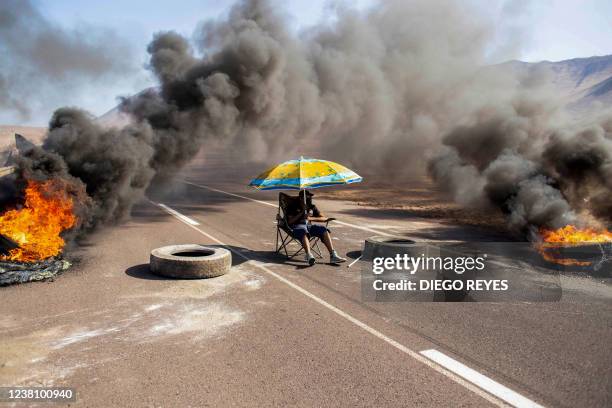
x=328, y=242
x=306, y=244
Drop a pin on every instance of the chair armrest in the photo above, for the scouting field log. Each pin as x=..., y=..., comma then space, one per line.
x=325, y=221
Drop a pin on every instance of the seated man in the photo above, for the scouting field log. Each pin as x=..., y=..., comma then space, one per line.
x=300, y=213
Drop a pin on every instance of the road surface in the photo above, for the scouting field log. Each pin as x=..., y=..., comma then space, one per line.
x=276, y=333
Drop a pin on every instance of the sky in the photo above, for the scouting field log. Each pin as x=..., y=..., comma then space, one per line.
x=564, y=29
x=555, y=29
x=545, y=29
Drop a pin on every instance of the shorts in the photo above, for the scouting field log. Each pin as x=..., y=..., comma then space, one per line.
x=298, y=231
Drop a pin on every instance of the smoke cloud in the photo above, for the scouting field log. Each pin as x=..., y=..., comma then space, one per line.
x=43, y=64
x=538, y=173
x=398, y=90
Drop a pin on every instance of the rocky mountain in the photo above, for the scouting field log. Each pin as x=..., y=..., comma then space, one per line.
x=582, y=83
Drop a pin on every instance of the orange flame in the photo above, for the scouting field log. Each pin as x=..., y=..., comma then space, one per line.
x=568, y=236
x=48, y=210
x=572, y=235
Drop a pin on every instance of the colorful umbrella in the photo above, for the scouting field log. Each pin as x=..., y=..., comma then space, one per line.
x=304, y=173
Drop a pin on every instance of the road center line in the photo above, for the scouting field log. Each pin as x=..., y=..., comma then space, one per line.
x=420, y=358
x=473, y=376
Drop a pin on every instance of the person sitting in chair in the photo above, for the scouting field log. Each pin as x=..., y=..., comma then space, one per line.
x=300, y=215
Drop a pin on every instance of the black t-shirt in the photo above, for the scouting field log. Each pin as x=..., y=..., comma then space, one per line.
x=295, y=207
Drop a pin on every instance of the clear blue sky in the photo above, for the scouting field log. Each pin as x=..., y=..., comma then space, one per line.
x=545, y=29
x=554, y=29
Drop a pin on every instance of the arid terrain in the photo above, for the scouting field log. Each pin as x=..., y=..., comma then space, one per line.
x=415, y=198
x=7, y=135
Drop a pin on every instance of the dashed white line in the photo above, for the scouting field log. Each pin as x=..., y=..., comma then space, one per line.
x=493, y=387
x=424, y=359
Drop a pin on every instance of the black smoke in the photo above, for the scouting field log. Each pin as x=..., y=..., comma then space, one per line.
x=43, y=63
x=394, y=90
x=538, y=176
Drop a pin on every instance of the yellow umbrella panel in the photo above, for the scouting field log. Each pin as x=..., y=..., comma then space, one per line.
x=304, y=173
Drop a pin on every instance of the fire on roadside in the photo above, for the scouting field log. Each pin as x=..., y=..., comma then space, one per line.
x=37, y=227
x=570, y=236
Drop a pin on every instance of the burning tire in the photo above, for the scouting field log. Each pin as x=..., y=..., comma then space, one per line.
x=190, y=261
x=591, y=258
x=21, y=272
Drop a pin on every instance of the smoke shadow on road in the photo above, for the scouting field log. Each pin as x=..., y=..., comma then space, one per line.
x=456, y=233
x=447, y=230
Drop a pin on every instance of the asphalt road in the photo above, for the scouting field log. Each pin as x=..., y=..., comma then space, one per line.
x=276, y=333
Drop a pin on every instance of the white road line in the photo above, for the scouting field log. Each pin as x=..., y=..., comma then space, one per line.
x=493, y=387
x=386, y=234
x=231, y=194
x=275, y=206
x=352, y=263
x=422, y=359
x=178, y=215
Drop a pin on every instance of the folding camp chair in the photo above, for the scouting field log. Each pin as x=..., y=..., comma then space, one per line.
x=284, y=235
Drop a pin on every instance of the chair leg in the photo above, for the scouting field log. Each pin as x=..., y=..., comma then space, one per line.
x=286, y=241
x=283, y=241
x=281, y=244
x=314, y=245
x=280, y=241
x=296, y=253
x=276, y=244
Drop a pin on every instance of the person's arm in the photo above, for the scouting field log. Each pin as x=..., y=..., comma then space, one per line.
x=292, y=219
x=317, y=216
x=320, y=219
x=316, y=213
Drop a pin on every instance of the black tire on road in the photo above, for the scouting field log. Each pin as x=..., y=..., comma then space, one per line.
x=380, y=246
x=386, y=246
x=190, y=261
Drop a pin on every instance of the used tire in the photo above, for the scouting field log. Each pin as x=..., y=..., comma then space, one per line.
x=190, y=261
x=386, y=246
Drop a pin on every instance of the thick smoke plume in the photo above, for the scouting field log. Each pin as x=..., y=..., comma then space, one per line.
x=43, y=64
x=539, y=176
x=396, y=90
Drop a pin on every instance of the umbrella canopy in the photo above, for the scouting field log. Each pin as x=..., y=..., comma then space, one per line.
x=304, y=173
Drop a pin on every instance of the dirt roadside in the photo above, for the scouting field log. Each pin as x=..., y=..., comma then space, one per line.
x=415, y=198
